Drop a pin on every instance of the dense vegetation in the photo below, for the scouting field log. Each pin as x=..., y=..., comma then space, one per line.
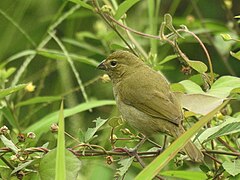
x=49, y=51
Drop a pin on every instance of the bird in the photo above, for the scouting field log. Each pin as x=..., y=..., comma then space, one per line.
x=144, y=98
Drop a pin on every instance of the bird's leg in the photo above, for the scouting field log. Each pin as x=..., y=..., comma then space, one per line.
x=142, y=141
x=154, y=143
x=133, y=151
x=164, y=142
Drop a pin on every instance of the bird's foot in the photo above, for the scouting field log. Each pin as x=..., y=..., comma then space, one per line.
x=129, y=151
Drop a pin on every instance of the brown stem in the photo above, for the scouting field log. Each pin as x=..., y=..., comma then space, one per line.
x=111, y=138
x=226, y=145
x=169, y=41
x=223, y=152
x=133, y=30
x=105, y=18
x=223, y=58
x=6, y=162
x=204, y=49
x=213, y=158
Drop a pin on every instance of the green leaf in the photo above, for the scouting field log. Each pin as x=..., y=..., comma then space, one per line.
x=159, y=163
x=4, y=74
x=8, y=143
x=191, y=87
x=198, y=66
x=83, y=4
x=185, y=175
x=5, y=173
x=18, y=27
x=125, y=164
x=230, y=126
x=237, y=17
x=58, y=55
x=8, y=114
x=84, y=45
x=177, y=87
x=223, y=86
x=115, y=121
x=226, y=37
x=167, y=59
x=236, y=55
x=48, y=163
x=123, y=8
x=237, y=177
x=44, y=124
x=60, y=156
x=199, y=103
x=39, y=99
x=6, y=92
x=115, y=47
x=91, y=131
x=22, y=166
x=17, y=56
x=232, y=168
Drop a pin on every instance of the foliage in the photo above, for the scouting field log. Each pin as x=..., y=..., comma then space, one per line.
x=49, y=53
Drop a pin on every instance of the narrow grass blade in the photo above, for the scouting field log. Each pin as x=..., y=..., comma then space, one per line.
x=123, y=8
x=44, y=124
x=18, y=27
x=159, y=163
x=7, y=91
x=60, y=159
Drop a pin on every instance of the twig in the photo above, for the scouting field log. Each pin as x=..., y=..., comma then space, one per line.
x=213, y=158
x=223, y=58
x=133, y=30
x=144, y=154
x=6, y=162
x=169, y=41
x=103, y=15
x=226, y=145
x=222, y=152
x=204, y=49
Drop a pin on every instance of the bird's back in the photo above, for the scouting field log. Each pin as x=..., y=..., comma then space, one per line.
x=149, y=92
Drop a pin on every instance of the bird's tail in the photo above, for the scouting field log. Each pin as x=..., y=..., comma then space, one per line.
x=191, y=150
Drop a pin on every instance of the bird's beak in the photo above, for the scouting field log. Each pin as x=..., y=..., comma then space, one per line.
x=102, y=65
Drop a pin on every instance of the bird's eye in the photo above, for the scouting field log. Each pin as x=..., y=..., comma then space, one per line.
x=113, y=63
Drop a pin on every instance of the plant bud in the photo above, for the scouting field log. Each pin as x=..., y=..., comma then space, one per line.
x=31, y=135
x=109, y=160
x=30, y=87
x=4, y=130
x=21, y=137
x=54, y=128
x=105, y=78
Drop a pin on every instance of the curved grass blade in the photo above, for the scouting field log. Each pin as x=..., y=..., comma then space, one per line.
x=60, y=157
x=159, y=163
x=43, y=124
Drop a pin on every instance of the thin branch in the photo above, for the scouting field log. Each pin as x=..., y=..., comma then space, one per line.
x=103, y=15
x=204, y=49
x=222, y=152
x=213, y=158
x=170, y=42
x=6, y=162
x=227, y=145
x=133, y=30
x=209, y=37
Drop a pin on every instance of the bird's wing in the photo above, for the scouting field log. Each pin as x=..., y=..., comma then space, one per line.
x=155, y=101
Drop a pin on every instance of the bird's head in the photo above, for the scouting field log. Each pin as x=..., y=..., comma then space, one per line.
x=119, y=64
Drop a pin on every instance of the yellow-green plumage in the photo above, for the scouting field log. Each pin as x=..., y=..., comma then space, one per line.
x=144, y=98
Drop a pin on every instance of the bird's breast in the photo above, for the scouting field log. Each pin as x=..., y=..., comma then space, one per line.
x=142, y=122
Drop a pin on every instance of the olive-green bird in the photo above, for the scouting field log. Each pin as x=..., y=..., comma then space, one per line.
x=144, y=98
